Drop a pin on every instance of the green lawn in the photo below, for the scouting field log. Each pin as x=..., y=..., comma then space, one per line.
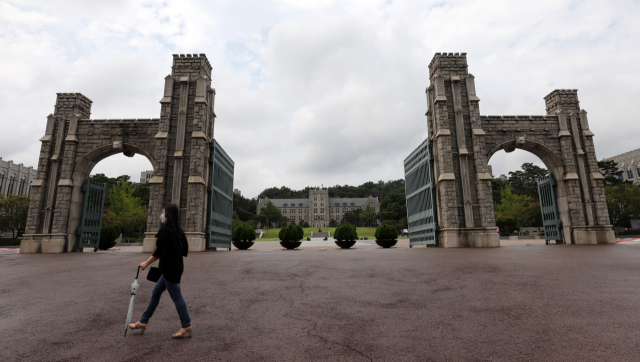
x=273, y=233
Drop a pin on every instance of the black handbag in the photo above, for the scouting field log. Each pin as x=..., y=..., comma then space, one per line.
x=154, y=274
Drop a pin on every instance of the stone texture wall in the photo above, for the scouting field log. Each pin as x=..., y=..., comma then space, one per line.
x=177, y=145
x=464, y=141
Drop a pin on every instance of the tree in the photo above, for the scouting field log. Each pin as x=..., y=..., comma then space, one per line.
x=126, y=210
x=623, y=203
x=13, y=213
x=352, y=217
x=525, y=182
x=516, y=210
x=142, y=192
x=333, y=223
x=270, y=213
x=368, y=215
x=394, y=205
x=497, y=184
x=612, y=175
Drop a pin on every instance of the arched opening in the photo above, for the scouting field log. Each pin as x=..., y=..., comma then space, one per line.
x=113, y=167
x=535, y=153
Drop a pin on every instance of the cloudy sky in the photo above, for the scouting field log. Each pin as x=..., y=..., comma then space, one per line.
x=317, y=92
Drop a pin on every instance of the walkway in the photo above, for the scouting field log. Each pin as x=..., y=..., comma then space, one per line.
x=538, y=303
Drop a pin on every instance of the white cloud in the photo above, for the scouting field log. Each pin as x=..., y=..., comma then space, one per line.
x=321, y=91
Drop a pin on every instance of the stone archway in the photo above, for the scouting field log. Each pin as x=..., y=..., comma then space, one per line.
x=463, y=141
x=176, y=144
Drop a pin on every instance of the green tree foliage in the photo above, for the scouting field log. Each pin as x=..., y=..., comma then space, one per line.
x=394, y=205
x=497, y=185
x=13, y=213
x=352, y=217
x=612, y=175
x=403, y=224
x=623, y=203
x=386, y=233
x=244, y=208
x=127, y=210
x=345, y=232
x=270, y=213
x=368, y=216
x=379, y=189
x=333, y=223
x=244, y=233
x=515, y=211
x=108, y=235
x=303, y=224
x=142, y=191
x=291, y=233
x=524, y=182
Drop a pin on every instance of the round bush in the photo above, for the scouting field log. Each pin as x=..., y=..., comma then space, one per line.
x=108, y=236
x=243, y=236
x=290, y=236
x=386, y=236
x=345, y=236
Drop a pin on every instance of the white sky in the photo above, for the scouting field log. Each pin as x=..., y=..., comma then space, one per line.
x=317, y=92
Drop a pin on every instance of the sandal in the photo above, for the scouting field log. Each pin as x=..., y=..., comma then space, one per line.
x=184, y=333
x=138, y=325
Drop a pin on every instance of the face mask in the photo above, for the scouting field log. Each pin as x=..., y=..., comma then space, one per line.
x=162, y=218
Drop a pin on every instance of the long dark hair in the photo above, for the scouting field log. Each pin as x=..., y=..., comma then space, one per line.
x=172, y=214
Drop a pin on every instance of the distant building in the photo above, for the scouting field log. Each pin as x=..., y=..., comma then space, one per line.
x=629, y=164
x=237, y=192
x=15, y=179
x=318, y=210
x=145, y=176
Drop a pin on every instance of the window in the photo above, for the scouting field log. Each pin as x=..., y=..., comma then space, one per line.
x=629, y=174
x=321, y=217
x=1, y=181
x=344, y=204
x=300, y=204
x=322, y=199
x=621, y=177
x=638, y=170
x=315, y=217
x=10, y=186
x=322, y=204
x=284, y=211
x=322, y=211
x=315, y=211
x=293, y=211
x=315, y=204
x=353, y=203
x=299, y=211
x=315, y=198
x=285, y=204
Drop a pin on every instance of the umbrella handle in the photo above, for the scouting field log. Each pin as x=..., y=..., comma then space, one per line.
x=138, y=273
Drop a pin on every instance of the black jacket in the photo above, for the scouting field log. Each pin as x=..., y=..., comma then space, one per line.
x=171, y=246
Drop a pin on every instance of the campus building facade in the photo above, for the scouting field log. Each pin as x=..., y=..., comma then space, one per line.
x=319, y=209
x=629, y=164
x=15, y=179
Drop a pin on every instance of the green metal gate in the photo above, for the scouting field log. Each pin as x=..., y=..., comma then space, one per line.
x=220, y=209
x=91, y=221
x=549, y=209
x=420, y=193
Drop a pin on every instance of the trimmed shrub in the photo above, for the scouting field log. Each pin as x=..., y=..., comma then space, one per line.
x=108, y=236
x=345, y=236
x=386, y=232
x=386, y=236
x=291, y=233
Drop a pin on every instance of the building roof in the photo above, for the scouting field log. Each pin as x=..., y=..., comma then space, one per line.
x=290, y=202
x=348, y=201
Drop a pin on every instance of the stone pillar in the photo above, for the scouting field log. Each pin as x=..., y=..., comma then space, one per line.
x=49, y=208
x=582, y=180
x=463, y=184
x=182, y=149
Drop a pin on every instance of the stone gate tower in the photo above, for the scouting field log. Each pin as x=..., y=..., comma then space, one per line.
x=464, y=141
x=176, y=144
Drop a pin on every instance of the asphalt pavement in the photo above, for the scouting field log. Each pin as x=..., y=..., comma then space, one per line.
x=525, y=303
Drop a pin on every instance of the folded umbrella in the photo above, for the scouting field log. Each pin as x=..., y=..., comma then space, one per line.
x=134, y=289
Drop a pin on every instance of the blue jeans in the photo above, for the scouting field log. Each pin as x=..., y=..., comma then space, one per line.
x=176, y=296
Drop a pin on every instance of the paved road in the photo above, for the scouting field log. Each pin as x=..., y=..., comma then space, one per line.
x=528, y=303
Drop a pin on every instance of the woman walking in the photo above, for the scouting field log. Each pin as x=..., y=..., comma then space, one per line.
x=171, y=246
